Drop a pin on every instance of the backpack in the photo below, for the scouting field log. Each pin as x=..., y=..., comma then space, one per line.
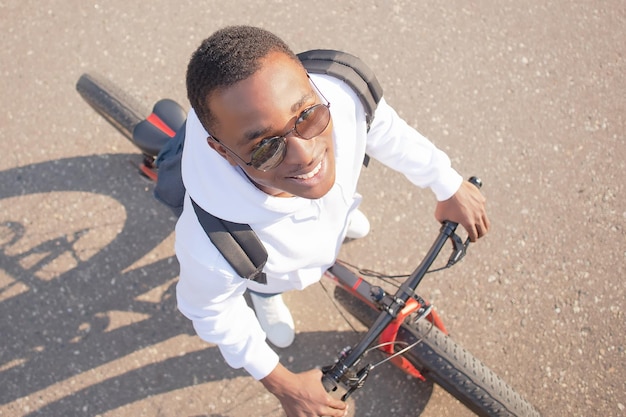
x=237, y=242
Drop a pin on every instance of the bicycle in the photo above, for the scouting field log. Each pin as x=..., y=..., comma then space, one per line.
x=402, y=325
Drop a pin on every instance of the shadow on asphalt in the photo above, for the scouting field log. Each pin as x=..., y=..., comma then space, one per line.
x=59, y=340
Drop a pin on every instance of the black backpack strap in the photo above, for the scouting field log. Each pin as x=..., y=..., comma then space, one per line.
x=237, y=242
x=349, y=69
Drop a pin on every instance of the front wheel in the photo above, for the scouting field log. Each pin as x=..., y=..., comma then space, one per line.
x=444, y=362
x=441, y=360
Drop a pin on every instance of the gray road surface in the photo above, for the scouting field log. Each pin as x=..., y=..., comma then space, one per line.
x=530, y=95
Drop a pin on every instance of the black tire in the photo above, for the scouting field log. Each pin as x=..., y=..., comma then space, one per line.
x=110, y=101
x=442, y=361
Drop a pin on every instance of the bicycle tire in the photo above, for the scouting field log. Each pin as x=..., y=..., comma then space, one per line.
x=443, y=361
x=121, y=110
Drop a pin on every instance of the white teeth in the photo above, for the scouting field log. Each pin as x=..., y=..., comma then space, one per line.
x=310, y=174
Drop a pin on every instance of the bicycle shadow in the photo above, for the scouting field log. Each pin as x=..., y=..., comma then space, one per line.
x=89, y=340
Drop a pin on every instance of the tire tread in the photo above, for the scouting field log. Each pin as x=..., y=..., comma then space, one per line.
x=117, y=107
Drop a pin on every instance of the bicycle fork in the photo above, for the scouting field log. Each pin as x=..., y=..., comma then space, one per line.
x=419, y=309
x=394, y=310
x=398, y=311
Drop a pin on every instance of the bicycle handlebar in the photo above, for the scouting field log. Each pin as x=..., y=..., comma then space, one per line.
x=335, y=373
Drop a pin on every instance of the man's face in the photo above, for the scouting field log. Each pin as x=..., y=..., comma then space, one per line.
x=268, y=104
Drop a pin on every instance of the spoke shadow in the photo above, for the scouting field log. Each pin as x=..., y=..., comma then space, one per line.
x=64, y=350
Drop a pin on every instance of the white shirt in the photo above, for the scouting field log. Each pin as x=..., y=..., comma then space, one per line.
x=302, y=236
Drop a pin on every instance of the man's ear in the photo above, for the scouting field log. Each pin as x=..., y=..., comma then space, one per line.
x=220, y=150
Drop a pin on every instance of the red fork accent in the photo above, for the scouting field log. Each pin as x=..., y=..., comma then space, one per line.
x=389, y=335
x=391, y=332
x=434, y=318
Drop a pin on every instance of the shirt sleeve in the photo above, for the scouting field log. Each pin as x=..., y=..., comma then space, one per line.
x=211, y=296
x=400, y=147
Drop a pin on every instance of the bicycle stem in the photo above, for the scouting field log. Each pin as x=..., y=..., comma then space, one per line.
x=335, y=374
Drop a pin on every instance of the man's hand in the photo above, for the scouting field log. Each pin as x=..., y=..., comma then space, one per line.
x=467, y=208
x=303, y=395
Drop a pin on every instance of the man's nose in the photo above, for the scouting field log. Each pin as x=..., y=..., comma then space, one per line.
x=299, y=151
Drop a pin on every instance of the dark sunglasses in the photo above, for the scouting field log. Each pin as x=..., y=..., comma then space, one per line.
x=270, y=152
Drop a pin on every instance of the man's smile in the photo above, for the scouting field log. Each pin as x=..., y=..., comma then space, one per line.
x=311, y=173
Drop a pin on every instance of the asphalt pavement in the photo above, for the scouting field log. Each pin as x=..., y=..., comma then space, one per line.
x=531, y=96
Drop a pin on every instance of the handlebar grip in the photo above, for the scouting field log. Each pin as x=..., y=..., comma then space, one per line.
x=476, y=181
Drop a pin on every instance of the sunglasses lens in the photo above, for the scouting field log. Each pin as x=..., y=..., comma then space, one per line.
x=269, y=154
x=313, y=121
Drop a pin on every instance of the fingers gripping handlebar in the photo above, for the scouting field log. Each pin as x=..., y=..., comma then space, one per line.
x=459, y=246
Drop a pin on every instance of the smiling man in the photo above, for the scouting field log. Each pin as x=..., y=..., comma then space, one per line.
x=259, y=113
x=270, y=146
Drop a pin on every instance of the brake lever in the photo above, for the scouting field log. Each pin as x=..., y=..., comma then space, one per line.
x=459, y=249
